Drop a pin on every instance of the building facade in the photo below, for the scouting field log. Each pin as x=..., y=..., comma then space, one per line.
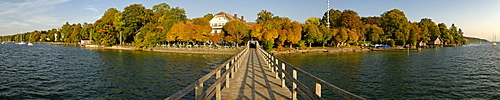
x=220, y=19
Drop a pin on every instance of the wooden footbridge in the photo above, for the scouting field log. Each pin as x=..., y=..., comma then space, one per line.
x=254, y=74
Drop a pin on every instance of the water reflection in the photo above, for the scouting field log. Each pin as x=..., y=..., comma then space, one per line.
x=469, y=72
x=152, y=75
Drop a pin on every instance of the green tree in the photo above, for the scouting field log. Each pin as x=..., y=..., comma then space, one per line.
x=201, y=21
x=334, y=16
x=445, y=33
x=135, y=17
x=327, y=35
x=119, y=23
x=313, y=21
x=65, y=32
x=208, y=17
x=107, y=31
x=373, y=33
x=311, y=34
x=395, y=24
x=264, y=16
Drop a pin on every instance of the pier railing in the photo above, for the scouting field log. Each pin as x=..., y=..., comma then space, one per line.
x=222, y=75
x=280, y=67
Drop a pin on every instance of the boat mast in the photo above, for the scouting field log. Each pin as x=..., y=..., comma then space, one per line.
x=328, y=14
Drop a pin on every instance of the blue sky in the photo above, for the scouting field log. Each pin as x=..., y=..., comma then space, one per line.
x=477, y=18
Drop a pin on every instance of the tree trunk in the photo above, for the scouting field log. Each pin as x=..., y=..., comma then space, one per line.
x=309, y=45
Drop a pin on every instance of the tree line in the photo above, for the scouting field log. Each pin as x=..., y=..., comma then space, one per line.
x=162, y=24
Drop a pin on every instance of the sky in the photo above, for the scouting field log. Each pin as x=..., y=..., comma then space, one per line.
x=477, y=18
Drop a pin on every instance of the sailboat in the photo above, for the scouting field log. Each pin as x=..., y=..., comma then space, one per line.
x=22, y=43
x=495, y=39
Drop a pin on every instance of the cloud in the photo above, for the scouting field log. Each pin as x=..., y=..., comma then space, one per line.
x=29, y=6
x=31, y=14
x=91, y=8
x=16, y=24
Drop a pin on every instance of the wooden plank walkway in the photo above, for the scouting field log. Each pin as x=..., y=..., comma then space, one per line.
x=255, y=81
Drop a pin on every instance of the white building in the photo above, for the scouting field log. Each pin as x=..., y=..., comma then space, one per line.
x=220, y=19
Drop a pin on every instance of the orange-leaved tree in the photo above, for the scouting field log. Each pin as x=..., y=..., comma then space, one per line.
x=236, y=30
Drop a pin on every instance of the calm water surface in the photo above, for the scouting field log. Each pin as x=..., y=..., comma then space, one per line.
x=57, y=72
x=467, y=72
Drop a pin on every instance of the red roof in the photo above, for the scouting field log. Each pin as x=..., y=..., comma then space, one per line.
x=229, y=16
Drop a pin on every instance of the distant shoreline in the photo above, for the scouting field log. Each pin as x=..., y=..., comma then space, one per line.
x=234, y=51
x=161, y=49
x=326, y=50
x=180, y=50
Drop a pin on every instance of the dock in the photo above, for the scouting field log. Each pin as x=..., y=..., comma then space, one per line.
x=255, y=74
x=255, y=82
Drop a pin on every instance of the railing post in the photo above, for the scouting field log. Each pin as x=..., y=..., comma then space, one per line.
x=198, y=90
x=283, y=85
x=218, y=87
x=318, y=89
x=227, y=75
x=276, y=67
x=232, y=69
x=271, y=62
x=294, y=85
x=268, y=60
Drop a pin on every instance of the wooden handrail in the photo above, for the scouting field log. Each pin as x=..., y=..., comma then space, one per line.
x=280, y=66
x=277, y=65
x=228, y=67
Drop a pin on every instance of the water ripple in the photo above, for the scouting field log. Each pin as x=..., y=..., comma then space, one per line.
x=56, y=72
x=467, y=72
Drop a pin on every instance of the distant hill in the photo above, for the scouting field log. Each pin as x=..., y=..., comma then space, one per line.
x=473, y=39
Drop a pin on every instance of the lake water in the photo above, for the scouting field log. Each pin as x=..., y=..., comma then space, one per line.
x=467, y=72
x=59, y=72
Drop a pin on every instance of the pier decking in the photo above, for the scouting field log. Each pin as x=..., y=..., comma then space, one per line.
x=254, y=74
x=255, y=81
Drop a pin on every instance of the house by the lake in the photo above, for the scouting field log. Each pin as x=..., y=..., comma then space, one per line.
x=436, y=41
x=220, y=19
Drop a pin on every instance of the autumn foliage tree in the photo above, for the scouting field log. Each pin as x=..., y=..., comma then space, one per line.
x=235, y=31
x=162, y=23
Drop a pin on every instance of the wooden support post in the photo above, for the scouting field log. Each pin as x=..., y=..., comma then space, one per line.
x=198, y=90
x=218, y=87
x=276, y=68
x=294, y=85
x=283, y=85
x=268, y=58
x=318, y=89
x=227, y=76
x=232, y=69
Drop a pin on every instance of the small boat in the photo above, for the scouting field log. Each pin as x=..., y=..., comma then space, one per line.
x=26, y=44
x=21, y=43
